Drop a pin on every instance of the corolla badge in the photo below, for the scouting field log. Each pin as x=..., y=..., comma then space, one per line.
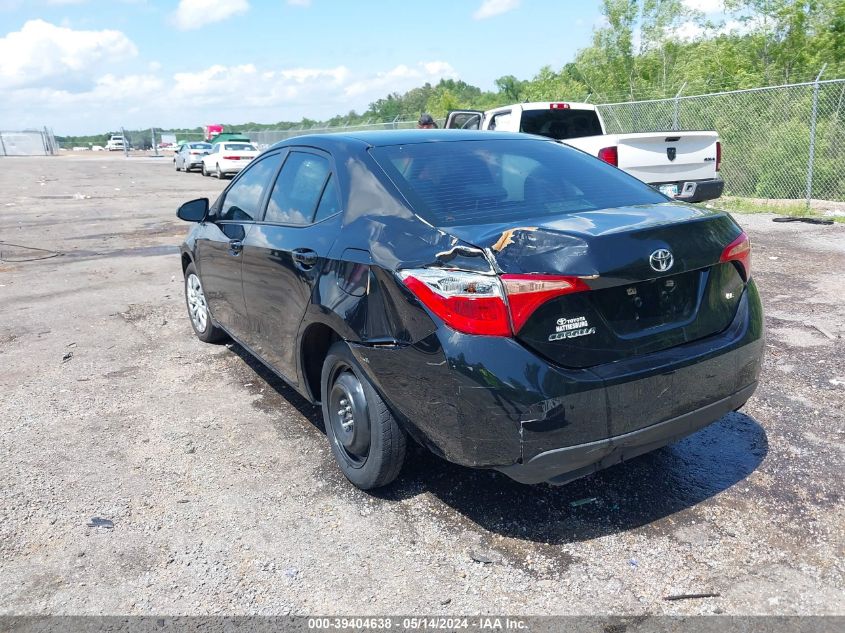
x=661, y=260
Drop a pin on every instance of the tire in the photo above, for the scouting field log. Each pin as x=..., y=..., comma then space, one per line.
x=367, y=443
x=198, y=313
x=203, y=170
x=218, y=173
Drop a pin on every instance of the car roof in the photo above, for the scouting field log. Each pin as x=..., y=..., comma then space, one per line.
x=382, y=138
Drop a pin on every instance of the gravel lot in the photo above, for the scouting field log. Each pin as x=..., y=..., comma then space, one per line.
x=217, y=489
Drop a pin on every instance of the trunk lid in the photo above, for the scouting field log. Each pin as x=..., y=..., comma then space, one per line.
x=631, y=308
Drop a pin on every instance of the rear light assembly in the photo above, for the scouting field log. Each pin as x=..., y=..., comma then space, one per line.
x=718, y=156
x=231, y=158
x=475, y=303
x=558, y=106
x=609, y=155
x=739, y=251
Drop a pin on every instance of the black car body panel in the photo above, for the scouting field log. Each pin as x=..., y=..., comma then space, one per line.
x=488, y=401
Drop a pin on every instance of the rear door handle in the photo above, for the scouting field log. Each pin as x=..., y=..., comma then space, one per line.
x=304, y=258
x=235, y=247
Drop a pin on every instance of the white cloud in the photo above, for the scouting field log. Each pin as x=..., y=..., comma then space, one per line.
x=43, y=53
x=705, y=6
x=400, y=78
x=490, y=8
x=193, y=14
x=218, y=93
x=689, y=31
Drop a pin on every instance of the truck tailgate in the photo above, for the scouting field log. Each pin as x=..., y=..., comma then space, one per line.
x=656, y=157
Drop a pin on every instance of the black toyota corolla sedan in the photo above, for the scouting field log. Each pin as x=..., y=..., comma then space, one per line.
x=506, y=301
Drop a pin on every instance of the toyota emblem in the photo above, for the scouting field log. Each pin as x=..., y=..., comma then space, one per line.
x=661, y=260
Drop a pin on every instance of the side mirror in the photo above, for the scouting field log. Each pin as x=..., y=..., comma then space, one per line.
x=194, y=210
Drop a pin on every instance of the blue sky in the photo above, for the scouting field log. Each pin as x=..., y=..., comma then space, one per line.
x=85, y=66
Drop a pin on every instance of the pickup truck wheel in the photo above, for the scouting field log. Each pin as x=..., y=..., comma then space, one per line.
x=218, y=173
x=204, y=170
x=200, y=316
x=367, y=443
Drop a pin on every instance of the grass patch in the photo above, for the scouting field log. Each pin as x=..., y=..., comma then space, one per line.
x=778, y=207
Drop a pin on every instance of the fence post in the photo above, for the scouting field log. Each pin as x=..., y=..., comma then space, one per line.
x=125, y=143
x=2, y=145
x=675, y=117
x=395, y=120
x=813, y=135
x=153, y=135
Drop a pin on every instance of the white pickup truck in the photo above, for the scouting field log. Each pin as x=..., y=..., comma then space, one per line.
x=682, y=165
x=115, y=143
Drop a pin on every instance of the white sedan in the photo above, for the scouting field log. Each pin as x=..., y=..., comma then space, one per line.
x=227, y=159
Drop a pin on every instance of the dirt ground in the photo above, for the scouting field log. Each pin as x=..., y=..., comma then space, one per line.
x=144, y=472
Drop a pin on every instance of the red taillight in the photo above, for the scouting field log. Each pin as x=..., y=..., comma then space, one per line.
x=466, y=302
x=739, y=251
x=231, y=158
x=526, y=293
x=609, y=155
x=485, y=304
x=718, y=156
x=196, y=152
x=559, y=106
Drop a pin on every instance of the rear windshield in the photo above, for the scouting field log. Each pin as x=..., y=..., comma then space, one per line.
x=200, y=146
x=238, y=147
x=479, y=182
x=560, y=124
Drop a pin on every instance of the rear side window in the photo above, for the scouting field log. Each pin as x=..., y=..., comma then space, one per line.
x=478, y=182
x=244, y=197
x=329, y=204
x=560, y=124
x=298, y=189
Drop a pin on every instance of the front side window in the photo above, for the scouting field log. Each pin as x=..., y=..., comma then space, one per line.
x=243, y=199
x=298, y=189
x=478, y=182
x=500, y=120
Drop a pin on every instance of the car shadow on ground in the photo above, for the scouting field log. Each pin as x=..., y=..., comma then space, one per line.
x=627, y=496
x=659, y=484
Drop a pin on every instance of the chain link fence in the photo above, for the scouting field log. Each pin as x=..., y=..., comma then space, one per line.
x=782, y=142
x=785, y=142
x=28, y=143
x=268, y=137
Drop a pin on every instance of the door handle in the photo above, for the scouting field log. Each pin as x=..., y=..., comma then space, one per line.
x=304, y=258
x=235, y=247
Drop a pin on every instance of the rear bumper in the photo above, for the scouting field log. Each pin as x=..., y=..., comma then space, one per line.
x=232, y=166
x=490, y=402
x=700, y=190
x=562, y=465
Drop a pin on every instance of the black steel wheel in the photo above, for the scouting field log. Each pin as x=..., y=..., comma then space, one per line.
x=367, y=442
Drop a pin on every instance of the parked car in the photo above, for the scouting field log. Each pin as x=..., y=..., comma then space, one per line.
x=227, y=159
x=683, y=165
x=190, y=156
x=503, y=299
